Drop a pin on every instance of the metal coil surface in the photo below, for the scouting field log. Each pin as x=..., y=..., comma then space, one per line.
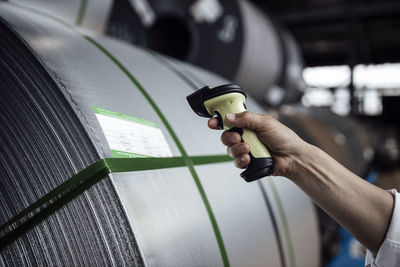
x=52, y=77
x=234, y=39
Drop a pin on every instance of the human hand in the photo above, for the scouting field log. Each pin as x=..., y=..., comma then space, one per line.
x=284, y=145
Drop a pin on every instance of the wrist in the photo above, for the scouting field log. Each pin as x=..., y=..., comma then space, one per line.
x=301, y=160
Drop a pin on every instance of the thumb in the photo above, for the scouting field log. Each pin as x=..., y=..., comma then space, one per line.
x=247, y=120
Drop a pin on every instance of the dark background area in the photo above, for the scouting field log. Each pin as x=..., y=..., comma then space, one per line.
x=337, y=32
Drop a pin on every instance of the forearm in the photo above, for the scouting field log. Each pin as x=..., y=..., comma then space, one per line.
x=363, y=209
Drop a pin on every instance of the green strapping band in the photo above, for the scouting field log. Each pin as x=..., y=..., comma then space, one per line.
x=81, y=12
x=284, y=222
x=86, y=178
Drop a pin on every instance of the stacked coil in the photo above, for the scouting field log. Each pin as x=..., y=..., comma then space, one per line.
x=234, y=39
x=53, y=79
x=344, y=138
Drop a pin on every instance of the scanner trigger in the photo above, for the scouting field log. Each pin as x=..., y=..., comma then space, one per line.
x=220, y=121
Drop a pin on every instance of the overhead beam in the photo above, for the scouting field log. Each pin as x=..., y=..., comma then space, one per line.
x=340, y=13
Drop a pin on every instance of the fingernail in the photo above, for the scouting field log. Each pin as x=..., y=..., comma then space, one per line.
x=231, y=116
x=242, y=159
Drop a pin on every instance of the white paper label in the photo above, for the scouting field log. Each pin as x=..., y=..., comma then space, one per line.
x=130, y=137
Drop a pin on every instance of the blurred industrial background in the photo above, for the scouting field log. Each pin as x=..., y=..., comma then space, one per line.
x=328, y=69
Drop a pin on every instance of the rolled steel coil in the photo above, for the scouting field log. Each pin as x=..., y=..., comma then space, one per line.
x=234, y=39
x=53, y=78
x=344, y=138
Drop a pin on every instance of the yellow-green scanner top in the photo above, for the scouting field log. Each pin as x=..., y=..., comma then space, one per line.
x=198, y=98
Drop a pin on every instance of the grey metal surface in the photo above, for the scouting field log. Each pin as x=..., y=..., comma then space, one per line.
x=302, y=222
x=164, y=208
x=86, y=89
x=267, y=59
x=197, y=139
x=200, y=141
x=242, y=215
x=94, y=81
x=89, y=14
x=168, y=217
x=293, y=83
x=169, y=92
x=65, y=10
x=47, y=145
x=262, y=57
x=96, y=15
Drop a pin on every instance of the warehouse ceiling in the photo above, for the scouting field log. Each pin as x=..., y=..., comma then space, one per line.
x=336, y=32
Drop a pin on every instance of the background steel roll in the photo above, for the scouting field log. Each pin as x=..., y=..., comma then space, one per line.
x=347, y=132
x=290, y=85
x=343, y=138
x=205, y=33
x=234, y=39
x=262, y=60
x=209, y=34
x=53, y=75
x=92, y=15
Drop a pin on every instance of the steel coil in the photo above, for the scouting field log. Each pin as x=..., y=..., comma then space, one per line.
x=54, y=80
x=234, y=39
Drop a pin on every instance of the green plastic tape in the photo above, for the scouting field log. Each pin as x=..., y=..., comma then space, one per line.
x=284, y=222
x=81, y=12
x=77, y=184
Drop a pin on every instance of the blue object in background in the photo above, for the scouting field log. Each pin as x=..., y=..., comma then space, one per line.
x=351, y=253
x=372, y=176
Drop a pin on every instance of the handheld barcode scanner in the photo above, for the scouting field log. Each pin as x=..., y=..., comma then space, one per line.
x=230, y=98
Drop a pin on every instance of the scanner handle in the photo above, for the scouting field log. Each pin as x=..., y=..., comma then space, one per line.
x=261, y=163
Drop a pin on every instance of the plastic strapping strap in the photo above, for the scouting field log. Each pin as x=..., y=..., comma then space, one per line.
x=74, y=186
x=81, y=12
x=289, y=242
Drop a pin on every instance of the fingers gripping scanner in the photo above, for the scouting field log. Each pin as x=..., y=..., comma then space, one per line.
x=230, y=98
